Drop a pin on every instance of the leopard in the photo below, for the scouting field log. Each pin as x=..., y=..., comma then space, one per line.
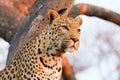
x=41, y=57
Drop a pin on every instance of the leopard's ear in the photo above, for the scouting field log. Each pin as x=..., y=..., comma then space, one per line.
x=78, y=21
x=52, y=14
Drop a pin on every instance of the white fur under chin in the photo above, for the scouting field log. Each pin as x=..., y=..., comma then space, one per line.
x=70, y=50
x=73, y=48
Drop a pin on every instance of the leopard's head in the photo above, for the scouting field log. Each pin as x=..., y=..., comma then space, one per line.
x=66, y=31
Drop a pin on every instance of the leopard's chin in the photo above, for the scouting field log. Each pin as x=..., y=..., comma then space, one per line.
x=73, y=48
x=70, y=47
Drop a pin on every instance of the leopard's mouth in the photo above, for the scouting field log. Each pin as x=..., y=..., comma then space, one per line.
x=71, y=46
x=71, y=49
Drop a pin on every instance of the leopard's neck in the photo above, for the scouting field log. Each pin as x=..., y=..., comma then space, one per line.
x=41, y=58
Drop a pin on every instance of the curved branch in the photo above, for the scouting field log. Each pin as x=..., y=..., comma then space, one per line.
x=91, y=10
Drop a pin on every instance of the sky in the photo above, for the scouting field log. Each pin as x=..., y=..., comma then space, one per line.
x=109, y=4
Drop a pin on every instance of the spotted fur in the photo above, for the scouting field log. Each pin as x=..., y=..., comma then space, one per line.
x=41, y=57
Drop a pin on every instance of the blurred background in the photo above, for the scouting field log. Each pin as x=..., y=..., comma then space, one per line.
x=98, y=57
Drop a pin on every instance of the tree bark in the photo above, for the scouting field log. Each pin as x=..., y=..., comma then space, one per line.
x=10, y=19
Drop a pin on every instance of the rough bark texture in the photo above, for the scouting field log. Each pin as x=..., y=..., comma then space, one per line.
x=91, y=10
x=23, y=6
x=10, y=19
x=12, y=14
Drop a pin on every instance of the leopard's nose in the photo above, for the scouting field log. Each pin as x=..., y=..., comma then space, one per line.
x=75, y=39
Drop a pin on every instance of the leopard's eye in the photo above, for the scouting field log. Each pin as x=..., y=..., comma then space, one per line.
x=66, y=27
x=78, y=30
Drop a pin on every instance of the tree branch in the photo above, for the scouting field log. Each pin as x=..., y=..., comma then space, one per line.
x=91, y=10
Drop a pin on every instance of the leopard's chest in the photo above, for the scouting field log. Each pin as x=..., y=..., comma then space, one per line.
x=48, y=72
x=49, y=67
x=43, y=67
